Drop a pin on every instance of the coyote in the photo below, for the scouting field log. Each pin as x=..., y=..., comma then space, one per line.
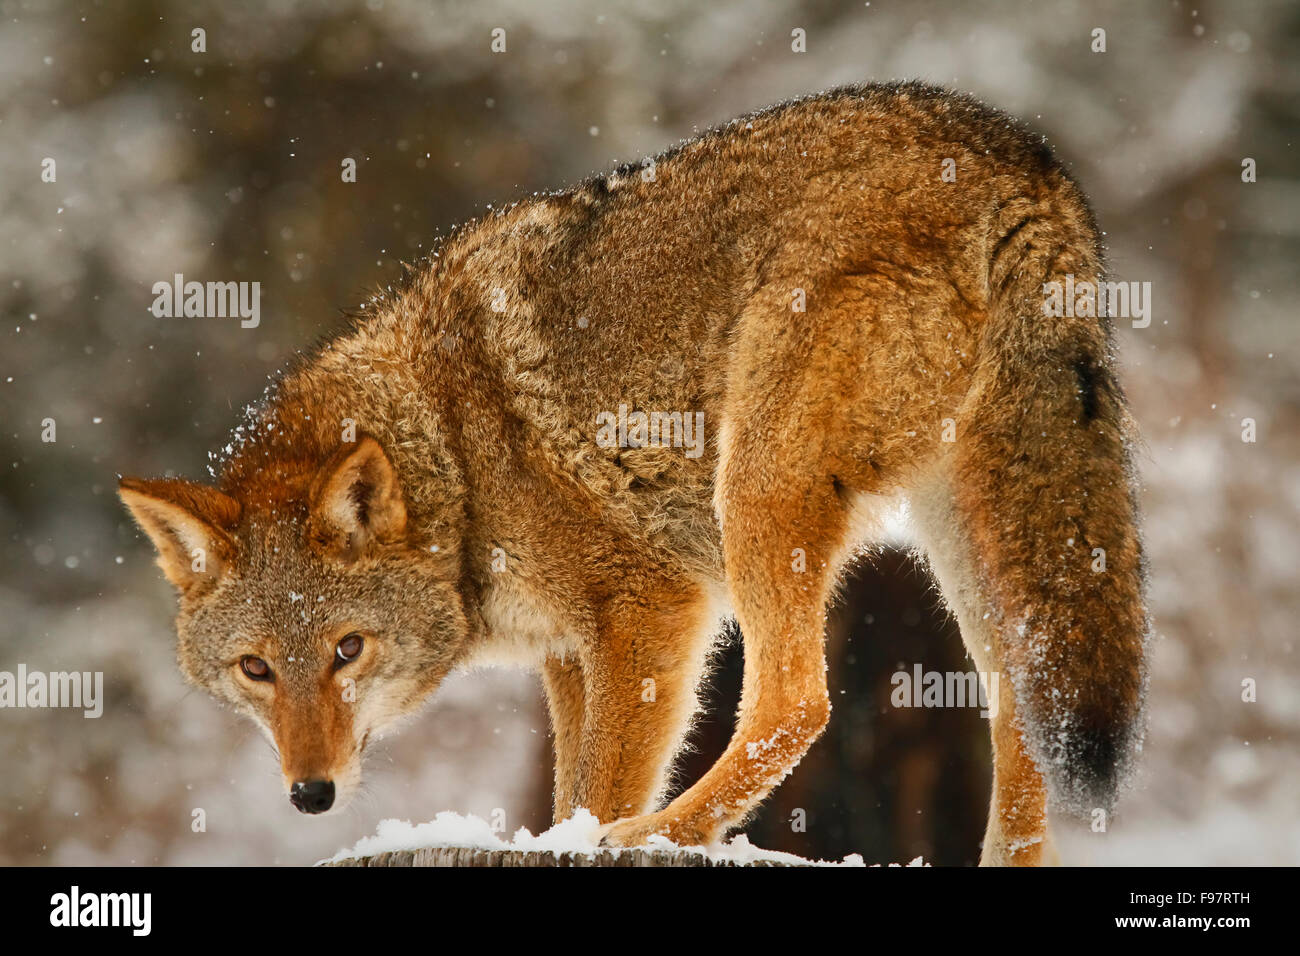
x=842, y=298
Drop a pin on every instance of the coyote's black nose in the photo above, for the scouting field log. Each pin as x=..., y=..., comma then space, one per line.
x=312, y=796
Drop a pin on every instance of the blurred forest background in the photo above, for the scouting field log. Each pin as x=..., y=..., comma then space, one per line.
x=226, y=165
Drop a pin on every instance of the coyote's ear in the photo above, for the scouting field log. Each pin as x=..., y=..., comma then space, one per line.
x=355, y=499
x=188, y=524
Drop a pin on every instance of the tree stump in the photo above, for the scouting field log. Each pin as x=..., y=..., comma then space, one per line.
x=480, y=857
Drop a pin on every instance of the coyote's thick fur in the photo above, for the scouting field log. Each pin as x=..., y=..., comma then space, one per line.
x=849, y=289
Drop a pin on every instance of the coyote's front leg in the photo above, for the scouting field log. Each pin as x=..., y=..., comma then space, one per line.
x=566, y=699
x=639, y=674
x=784, y=702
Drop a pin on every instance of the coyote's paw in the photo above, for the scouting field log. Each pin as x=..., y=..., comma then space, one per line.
x=637, y=831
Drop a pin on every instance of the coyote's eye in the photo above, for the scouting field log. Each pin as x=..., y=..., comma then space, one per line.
x=349, y=649
x=255, y=668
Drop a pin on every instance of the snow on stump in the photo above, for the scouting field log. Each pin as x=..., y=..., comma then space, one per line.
x=481, y=857
x=455, y=840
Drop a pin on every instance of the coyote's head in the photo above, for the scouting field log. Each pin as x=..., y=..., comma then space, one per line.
x=307, y=607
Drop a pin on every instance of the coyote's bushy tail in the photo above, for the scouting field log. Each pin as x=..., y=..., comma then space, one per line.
x=1045, y=481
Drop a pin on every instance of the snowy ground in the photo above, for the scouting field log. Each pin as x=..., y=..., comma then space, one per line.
x=580, y=834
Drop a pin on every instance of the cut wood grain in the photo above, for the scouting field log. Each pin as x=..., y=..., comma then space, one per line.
x=476, y=857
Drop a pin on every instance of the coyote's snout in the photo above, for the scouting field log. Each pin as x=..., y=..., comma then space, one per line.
x=842, y=297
